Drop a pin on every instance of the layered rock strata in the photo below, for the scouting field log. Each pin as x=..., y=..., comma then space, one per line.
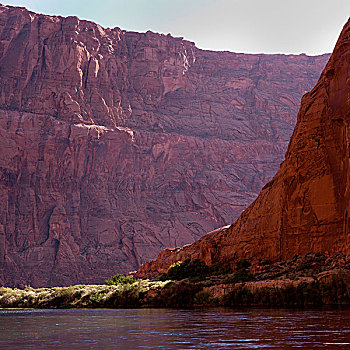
x=115, y=144
x=305, y=207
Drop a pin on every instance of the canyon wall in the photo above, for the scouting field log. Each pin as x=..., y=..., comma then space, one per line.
x=305, y=207
x=116, y=144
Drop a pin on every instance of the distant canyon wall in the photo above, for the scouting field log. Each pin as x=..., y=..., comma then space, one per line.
x=305, y=207
x=115, y=144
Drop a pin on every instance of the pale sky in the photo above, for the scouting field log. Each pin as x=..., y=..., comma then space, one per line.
x=250, y=26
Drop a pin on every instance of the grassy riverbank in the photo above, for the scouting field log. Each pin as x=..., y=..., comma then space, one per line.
x=311, y=280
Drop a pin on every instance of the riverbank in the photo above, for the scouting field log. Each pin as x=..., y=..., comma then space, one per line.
x=312, y=280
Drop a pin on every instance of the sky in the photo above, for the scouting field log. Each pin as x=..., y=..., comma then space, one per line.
x=249, y=26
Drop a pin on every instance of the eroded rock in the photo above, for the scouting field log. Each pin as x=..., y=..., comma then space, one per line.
x=116, y=144
x=305, y=207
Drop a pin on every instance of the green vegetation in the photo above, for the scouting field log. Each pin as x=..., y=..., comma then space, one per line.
x=177, y=294
x=187, y=269
x=313, y=293
x=120, y=279
x=310, y=280
x=242, y=273
x=80, y=296
x=203, y=297
x=219, y=269
x=194, y=270
x=332, y=289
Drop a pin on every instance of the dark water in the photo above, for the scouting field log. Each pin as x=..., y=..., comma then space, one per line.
x=175, y=329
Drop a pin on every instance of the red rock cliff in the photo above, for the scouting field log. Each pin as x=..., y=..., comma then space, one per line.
x=115, y=144
x=305, y=207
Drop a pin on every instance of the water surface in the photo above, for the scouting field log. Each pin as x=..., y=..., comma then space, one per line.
x=175, y=329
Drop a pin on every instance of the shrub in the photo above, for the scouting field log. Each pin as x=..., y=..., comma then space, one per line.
x=120, y=279
x=218, y=269
x=202, y=298
x=5, y=290
x=97, y=299
x=187, y=269
x=238, y=297
x=178, y=294
x=242, y=273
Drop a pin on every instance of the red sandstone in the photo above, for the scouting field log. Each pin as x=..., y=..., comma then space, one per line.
x=305, y=207
x=115, y=144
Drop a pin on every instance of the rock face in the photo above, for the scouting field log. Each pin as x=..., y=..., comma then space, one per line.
x=115, y=144
x=305, y=207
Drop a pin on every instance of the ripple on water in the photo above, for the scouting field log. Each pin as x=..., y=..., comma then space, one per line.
x=174, y=329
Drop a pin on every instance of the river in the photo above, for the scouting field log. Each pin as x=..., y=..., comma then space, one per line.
x=175, y=329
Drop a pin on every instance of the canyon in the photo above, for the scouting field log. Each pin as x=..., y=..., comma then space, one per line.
x=115, y=145
x=305, y=208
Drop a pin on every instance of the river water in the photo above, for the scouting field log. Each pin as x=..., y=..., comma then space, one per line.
x=175, y=329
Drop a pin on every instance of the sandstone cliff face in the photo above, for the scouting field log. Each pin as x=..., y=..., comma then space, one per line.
x=305, y=207
x=115, y=144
